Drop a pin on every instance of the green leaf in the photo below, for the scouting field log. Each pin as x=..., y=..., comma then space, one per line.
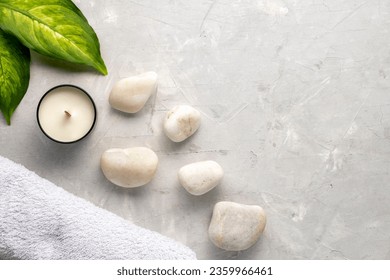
x=14, y=73
x=55, y=28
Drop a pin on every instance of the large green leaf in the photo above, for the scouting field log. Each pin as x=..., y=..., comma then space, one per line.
x=14, y=73
x=55, y=28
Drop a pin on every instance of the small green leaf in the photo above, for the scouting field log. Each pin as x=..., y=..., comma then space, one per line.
x=14, y=73
x=56, y=28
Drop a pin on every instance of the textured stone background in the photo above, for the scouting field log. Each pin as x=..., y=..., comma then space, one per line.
x=295, y=104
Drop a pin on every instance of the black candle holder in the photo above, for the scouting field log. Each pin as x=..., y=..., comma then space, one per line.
x=82, y=91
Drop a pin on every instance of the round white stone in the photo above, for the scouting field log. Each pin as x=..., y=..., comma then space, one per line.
x=129, y=168
x=236, y=227
x=130, y=94
x=181, y=122
x=200, y=177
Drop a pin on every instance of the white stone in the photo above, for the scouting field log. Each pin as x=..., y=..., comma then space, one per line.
x=236, y=227
x=129, y=168
x=200, y=177
x=181, y=122
x=130, y=94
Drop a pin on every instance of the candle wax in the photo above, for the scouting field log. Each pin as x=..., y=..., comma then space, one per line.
x=59, y=125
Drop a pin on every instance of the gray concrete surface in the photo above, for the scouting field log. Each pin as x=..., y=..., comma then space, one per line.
x=295, y=101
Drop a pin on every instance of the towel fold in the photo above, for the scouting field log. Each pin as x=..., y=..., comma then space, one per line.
x=39, y=220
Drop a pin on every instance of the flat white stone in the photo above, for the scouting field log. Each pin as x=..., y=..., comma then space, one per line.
x=200, y=177
x=129, y=168
x=236, y=227
x=181, y=122
x=130, y=94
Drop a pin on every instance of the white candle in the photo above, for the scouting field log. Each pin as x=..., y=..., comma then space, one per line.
x=66, y=114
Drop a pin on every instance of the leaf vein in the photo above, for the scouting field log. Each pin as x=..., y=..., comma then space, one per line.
x=32, y=17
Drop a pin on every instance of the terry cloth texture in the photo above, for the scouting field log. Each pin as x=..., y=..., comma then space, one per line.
x=39, y=220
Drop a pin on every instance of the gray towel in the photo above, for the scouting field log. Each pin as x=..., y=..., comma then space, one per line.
x=39, y=220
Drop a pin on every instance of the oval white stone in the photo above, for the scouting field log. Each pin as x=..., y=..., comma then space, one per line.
x=181, y=122
x=129, y=168
x=236, y=227
x=200, y=177
x=130, y=94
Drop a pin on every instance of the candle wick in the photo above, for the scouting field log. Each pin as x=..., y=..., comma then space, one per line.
x=67, y=114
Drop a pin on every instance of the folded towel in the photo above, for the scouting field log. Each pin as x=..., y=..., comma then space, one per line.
x=39, y=220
